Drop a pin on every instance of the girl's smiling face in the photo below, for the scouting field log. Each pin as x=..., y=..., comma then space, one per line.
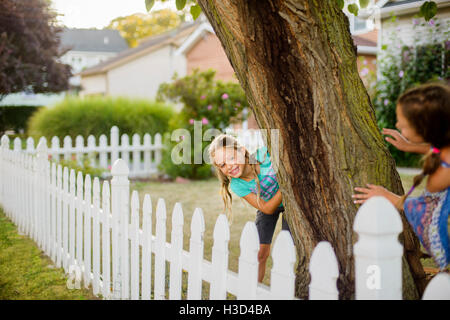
x=230, y=161
x=405, y=127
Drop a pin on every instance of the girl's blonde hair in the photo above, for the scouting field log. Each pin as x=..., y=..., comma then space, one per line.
x=427, y=109
x=228, y=141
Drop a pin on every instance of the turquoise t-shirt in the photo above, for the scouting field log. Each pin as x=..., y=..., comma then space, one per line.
x=267, y=179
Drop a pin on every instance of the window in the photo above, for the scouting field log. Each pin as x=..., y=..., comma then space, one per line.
x=358, y=25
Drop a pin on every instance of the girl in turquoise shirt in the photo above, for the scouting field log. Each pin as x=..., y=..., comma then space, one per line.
x=252, y=178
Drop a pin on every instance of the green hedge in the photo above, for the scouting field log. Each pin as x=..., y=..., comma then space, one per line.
x=96, y=115
x=15, y=117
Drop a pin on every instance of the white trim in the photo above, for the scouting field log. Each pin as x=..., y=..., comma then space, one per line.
x=406, y=8
x=367, y=50
x=193, y=38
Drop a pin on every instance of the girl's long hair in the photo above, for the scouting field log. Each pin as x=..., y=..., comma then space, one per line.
x=228, y=141
x=427, y=109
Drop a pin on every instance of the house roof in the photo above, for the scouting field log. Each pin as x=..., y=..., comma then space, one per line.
x=92, y=40
x=368, y=39
x=401, y=2
x=146, y=46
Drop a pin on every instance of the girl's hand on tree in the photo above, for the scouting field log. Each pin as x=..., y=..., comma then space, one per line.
x=403, y=144
x=372, y=191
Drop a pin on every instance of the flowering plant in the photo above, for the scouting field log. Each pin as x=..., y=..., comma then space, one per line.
x=206, y=101
x=402, y=66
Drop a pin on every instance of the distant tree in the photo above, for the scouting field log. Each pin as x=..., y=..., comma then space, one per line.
x=29, y=49
x=138, y=26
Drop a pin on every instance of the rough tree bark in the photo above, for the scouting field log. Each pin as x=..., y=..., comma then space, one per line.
x=297, y=64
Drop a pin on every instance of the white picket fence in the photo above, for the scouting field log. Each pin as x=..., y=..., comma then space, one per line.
x=99, y=236
x=141, y=156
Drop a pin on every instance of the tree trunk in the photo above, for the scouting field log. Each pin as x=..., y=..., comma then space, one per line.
x=297, y=64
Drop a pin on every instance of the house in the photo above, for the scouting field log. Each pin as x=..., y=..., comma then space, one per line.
x=405, y=12
x=139, y=71
x=85, y=48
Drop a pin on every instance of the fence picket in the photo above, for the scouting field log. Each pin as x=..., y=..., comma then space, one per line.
x=120, y=189
x=136, y=166
x=134, y=254
x=282, y=278
x=91, y=147
x=55, y=150
x=176, y=239
x=79, y=146
x=87, y=230
x=47, y=197
x=147, y=248
x=54, y=192
x=158, y=147
x=65, y=219
x=41, y=156
x=72, y=211
x=96, y=236
x=438, y=288
x=79, y=226
x=58, y=216
x=196, y=247
x=103, y=156
x=221, y=237
x=125, y=144
x=147, y=152
x=248, y=262
x=106, y=240
x=160, y=255
x=378, y=273
x=324, y=271
x=114, y=144
x=67, y=147
x=30, y=144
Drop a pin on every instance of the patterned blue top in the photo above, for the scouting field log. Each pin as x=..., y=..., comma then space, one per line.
x=428, y=215
x=267, y=179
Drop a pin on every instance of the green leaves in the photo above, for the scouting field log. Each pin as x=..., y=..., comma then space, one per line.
x=428, y=10
x=149, y=4
x=195, y=11
x=353, y=8
x=363, y=3
x=341, y=4
x=180, y=4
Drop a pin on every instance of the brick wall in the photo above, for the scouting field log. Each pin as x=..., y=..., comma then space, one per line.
x=208, y=53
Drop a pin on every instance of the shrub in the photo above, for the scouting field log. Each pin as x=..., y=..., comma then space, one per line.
x=96, y=115
x=213, y=103
x=15, y=117
x=402, y=67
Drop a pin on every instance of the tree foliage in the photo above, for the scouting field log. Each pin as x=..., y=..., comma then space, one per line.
x=138, y=26
x=29, y=49
x=427, y=10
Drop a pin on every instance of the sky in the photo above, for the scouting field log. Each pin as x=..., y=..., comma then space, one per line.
x=99, y=13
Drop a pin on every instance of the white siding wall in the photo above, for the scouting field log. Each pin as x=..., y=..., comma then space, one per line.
x=95, y=84
x=142, y=77
x=403, y=26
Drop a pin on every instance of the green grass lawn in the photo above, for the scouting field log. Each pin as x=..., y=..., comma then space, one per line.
x=25, y=273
